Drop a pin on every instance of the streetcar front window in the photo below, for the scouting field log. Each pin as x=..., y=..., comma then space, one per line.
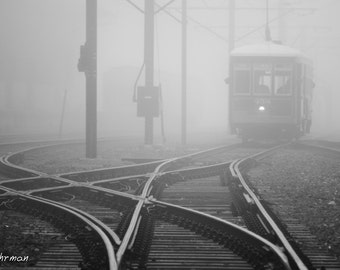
x=241, y=78
x=262, y=79
x=283, y=79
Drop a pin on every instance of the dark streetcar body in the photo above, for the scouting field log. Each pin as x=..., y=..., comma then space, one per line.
x=270, y=92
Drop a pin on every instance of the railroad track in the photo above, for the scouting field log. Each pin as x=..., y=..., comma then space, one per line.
x=39, y=240
x=187, y=213
x=170, y=236
x=82, y=235
x=297, y=233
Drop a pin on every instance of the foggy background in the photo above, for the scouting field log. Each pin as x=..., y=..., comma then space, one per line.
x=39, y=52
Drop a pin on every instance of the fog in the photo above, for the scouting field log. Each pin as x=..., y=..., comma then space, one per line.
x=40, y=42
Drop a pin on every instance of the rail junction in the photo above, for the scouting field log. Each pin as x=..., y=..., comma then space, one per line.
x=197, y=211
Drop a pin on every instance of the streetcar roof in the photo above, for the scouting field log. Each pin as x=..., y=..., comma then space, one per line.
x=266, y=49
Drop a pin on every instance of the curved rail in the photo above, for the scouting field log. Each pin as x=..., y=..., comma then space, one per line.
x=133, y=226
x=92, y=175
x=170, y=164
x=134, y=220
x=235, y=171
x=101, y=229
x=19, y=172
x=230, y=227
x=162, y=166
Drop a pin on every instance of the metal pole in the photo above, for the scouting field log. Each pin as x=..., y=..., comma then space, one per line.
x=281, y=22
x=62, y=115
x=231, y=25
x=184, y=72
x=231, y=45
x=149, y=62
x=268, y=35
x=91, y=79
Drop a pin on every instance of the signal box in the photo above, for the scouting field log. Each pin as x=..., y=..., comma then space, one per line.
x=148, y=101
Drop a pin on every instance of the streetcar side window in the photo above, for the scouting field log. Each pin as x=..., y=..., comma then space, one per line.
x=241, y=78
x=262, y=79
x=283, y=79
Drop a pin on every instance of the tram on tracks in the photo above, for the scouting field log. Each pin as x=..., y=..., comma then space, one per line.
x=271, y=91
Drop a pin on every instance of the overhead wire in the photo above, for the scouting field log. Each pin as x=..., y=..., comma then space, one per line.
x=207, y=28
x=264, y=25
x=327, y=5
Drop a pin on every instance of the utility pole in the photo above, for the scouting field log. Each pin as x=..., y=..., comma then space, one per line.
x=149, y=63
x=231, y=45
x=281, y=22
x=268, y=34
x=148, y=95
x=231, y=25
x=184, y=72
x=62, y=115
x=88, y=65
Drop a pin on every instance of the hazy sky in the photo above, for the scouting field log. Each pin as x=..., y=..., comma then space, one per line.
x=39, y=51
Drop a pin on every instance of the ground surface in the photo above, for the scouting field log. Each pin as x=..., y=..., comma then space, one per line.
x=71, y=158
x=308, y=184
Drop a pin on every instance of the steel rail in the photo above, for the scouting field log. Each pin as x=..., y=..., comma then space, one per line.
x=60, y=180
x=116, y=179
x=111, y=233
x=133, y=166
x=4, y=162
x=134, y=220
x=203, y=169
x=126, y=241
x=71, y=183
x=208, y=152
x=283, y=258
x=199, y=154
x=7, y=161
x=101, y=229
x=133, y=226
x=7, y=158
x=234, y=167
x=20, y=179
x=91, y=188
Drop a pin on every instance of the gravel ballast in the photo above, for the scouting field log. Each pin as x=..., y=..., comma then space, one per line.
x=71, y=158
x=307, y=184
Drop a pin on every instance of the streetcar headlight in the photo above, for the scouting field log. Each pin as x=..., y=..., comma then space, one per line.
x=262, y=108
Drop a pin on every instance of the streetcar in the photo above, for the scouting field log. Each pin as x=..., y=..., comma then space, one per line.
x=271, y=91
